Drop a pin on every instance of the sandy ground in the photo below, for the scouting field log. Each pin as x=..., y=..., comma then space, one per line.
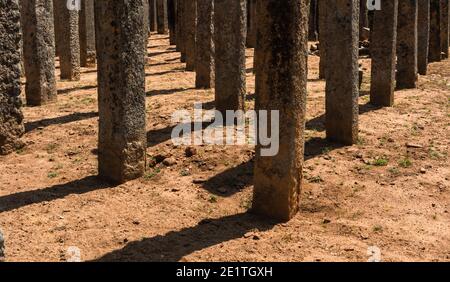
x=379, y=193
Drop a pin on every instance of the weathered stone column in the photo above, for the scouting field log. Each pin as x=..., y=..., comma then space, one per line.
x=2, y=247
x=146, y=23
x=204, y=64
x=39, y=51
x=342, y=74
x=363, y=17
x=11, y=117
x=444, y=28
x=312, y=33
x=152, y=13
x=87, y=33
x=181, y=30
x=423, y=35
x=231, y=17
x=190, y=17
x=383, y=53
x=69, y=41
x=322, y=4
x=161, y=16
x=171, y=19
x=251, y=23
x=121, y=89
x=407, y=44
x=281, y=86
x=434, y=52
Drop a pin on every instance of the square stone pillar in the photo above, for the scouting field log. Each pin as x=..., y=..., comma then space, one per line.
x=87, y=33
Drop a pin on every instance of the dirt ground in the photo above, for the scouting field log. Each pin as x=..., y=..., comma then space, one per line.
x=391, y=191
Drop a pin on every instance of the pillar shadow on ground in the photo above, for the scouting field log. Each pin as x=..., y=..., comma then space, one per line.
x=73, y=89
x=60, y=191
x=167, y=91
x=165, y=72
x=154, y=54
x=175, y=245
x=30, y=126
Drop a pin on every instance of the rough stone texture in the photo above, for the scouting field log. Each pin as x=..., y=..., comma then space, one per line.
x=11, y=117
x=423, y=35
x=87, y=33
x=407, y=44
x=342, y=89
x=383, y=52
x=55, y=25
x=231, y=17
x=444, y=28
x=69, y=41
x=434, y=52
x=312, y=30
x=363, y=17
x=161, y=16
x=204, y=65
x=251, y=23
x=39, y=51
x=190, y=17
x=171, y=19
x=323, y=4
x=181, y=30
x=146, y=22
x=281, y=85
x=152, y=15
x=2, y=247
x=121, y=89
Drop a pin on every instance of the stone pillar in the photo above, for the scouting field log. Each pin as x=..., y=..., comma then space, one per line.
x=434, y=52
x=87, y=33
x=69, y=41
x=190, y=17
x=312, y=21
x=407, y=44
x=230, y=16
x=121, y=89
x=39, y=51
x=323, y=4
x=343, y=73
x=153, y=17
x=204, y=64
x=161, y=16
x=11, y=117
x=423, y=34
x=2, y=247
x=251, y=23
x=56, y=25
x=444, y=28
x=383, y=52
x=281, y=86
x=181, y=30
x=146, y=23
x=171, y=19
x=363, y=17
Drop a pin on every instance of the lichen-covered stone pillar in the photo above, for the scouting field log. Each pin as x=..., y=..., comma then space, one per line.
x=407, y=44
x=342, y=89
x=87, y=33
x=434, y=52
x=281, y=86
x=444, y=28
x=121, y=89
x=190, y=16
x=39, y=51
x=230, y=21
x=152, y=15
x=146, y=22
x=171, y=19
x=161, y=16
x=69, y=41
x=204, y=65
x=312, y=33
x=251, y=23
x=423, y=35
x=11, y=117
x=383, y=53
x=322, y=7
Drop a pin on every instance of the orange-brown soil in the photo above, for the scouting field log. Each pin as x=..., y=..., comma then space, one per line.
x=379, y=192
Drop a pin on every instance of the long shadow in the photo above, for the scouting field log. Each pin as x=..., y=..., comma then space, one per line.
x=30, y=126
x=167, y=91
x=158, y=136
x=174, y=245
x=165, y=72
x=153, y=54
x=72, y=89
x=60, y=191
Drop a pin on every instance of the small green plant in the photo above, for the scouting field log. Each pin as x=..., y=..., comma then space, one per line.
x=377, y=228
x=51, y=148
x=405, y=163
x=185, y=172
x=381, y=161
x=151, y=174
x=52, y=174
